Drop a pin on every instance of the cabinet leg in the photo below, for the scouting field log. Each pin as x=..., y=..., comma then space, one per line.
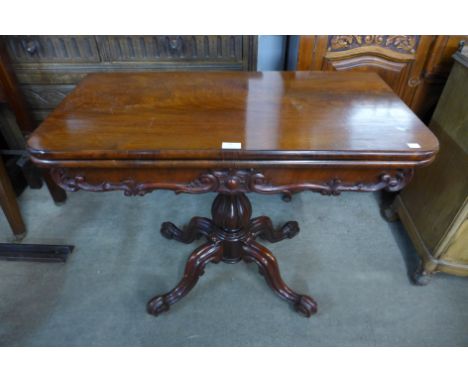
x=421, y=276
x=10, y=205
x=58, y=194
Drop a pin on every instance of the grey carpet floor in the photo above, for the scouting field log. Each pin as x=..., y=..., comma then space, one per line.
x=346, y=256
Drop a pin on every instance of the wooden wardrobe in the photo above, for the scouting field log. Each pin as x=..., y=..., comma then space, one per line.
x=416, y=67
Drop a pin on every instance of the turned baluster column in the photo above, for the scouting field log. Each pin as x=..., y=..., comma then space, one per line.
x=231, y=213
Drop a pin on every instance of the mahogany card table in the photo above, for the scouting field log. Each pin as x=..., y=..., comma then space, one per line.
x=232, y=133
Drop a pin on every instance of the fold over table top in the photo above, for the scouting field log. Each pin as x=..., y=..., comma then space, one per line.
x=273, y=115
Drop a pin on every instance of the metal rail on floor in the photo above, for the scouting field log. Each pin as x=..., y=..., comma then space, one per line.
x=35, y=252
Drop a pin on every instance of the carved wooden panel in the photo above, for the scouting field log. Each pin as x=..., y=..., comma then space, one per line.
x=37, y=49
x=401, y=43
x=394, y=73
x=398, y=59
x=137, y=48
x=45, y=96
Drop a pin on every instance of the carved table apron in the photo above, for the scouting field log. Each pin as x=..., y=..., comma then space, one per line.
x=304, y=131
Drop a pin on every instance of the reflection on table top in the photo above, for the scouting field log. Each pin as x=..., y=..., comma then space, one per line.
x=184, y=115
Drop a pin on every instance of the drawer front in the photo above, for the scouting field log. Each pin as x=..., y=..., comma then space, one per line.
x=174, y=48
x=52, y=49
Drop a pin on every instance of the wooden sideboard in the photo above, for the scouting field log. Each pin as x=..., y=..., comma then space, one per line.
x=416, y=67
x=434, y=207
x=49, y=67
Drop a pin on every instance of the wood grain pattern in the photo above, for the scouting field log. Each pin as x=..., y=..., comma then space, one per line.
x=294, y=115
x=47, y=67
x=399, y=60
x=416, y=67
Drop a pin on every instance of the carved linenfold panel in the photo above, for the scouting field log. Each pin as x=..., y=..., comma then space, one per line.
x=44, y=96
x=138, y=48
x=232, y=181
x=398, y=43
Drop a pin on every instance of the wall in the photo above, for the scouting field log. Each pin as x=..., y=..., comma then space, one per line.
x=271, y=52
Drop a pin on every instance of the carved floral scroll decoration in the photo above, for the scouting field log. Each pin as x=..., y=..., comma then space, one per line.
x=399, y=43
x=232, y=181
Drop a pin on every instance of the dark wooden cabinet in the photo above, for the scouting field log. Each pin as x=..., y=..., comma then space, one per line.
x=415, y=67
x=49, y=67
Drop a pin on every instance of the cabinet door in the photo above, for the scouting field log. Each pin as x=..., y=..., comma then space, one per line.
x=436, y=71
x=399, y=60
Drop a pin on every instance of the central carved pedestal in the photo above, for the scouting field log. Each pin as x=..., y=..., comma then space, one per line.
x=231, y=235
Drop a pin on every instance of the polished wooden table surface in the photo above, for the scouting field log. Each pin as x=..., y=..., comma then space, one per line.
x=188, y=115
x=320, y=131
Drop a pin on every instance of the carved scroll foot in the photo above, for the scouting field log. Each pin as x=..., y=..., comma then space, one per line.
x=268, y=267
x=196, y=228
x=306, y=306
x=263, y=227
x=209, y=252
